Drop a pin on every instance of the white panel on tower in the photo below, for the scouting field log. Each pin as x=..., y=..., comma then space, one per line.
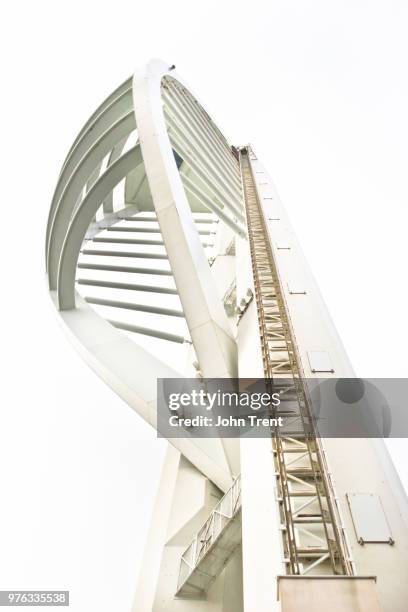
x=320, y=361
x=370, y=522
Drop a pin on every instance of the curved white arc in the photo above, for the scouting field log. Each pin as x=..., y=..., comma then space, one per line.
x=208, y=324
x=81, y=220
x=103, y=122
x=117, y=93
x=115, y=154
x=111, y=110
x=66, y=204
x=132, y=373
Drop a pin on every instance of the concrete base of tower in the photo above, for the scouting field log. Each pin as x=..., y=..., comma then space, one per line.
x=322, y=593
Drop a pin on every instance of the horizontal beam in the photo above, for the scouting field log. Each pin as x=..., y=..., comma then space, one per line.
x=128, y=269
x=140, y=230
x=146, y=331
x=123, y=254
x=129, y=286
x=200, y=125
x=129, y=241
x=192, y=188
x=170, y=312
x=154, y=219
x=138, y=241
x=193, y=150
x=147, y=230
x=145, y=219
x=215, y=187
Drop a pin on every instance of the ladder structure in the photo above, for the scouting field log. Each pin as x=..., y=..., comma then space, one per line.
x=311, y=528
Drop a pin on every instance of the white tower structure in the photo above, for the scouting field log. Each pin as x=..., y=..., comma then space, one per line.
x=169, y=254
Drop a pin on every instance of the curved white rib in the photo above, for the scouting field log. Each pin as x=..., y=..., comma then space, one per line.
x=209, y=328
x=96, y=164
x=116, y=105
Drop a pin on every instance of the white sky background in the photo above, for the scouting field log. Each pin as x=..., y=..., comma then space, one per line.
x=320, y=90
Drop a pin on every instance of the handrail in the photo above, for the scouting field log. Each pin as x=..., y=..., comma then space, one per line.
x=223, y=512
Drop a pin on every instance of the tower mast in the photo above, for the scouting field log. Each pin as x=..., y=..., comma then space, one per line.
x=170, y=255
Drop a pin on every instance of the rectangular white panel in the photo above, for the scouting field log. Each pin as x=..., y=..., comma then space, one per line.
x=282, y=245
x=320, y=361
x=323, y=593
x=370, y=522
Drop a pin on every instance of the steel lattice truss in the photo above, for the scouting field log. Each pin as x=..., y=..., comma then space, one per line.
x=310, y=528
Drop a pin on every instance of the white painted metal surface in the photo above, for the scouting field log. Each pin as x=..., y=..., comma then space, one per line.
x=148, y=230
x=369, y=518
x=320, y=362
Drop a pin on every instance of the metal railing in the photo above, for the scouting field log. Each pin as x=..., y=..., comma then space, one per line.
x=220, y=516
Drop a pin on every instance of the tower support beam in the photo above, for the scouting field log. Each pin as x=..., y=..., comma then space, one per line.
x=209, y=328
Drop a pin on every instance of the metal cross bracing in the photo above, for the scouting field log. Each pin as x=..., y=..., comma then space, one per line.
x=313, y=537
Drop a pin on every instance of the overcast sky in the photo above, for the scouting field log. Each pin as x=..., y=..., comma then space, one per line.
x=320, y=90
